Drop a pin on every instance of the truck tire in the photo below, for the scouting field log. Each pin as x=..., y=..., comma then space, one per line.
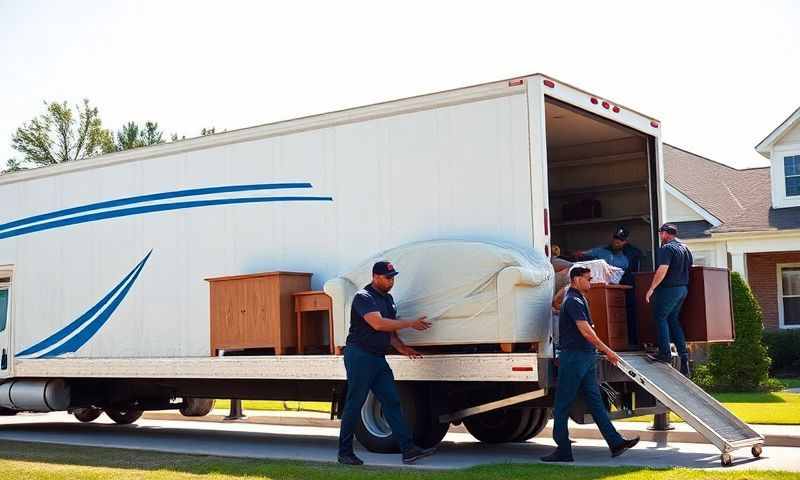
x=88, y=414
x=375, y=434
x=499, y=426
x=123, y=417
x=197, y=407
x=537, y=422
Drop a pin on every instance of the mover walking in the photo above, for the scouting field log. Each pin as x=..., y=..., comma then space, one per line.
x=373, y=327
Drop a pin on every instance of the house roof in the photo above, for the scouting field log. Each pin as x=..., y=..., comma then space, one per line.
x=764, y=146
x=740, y=199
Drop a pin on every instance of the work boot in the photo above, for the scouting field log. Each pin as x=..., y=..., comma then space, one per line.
x=350, y=459
x=415, y=453
x=558, y=456
x=685, y=370
x=657, y=357
x=625, y=445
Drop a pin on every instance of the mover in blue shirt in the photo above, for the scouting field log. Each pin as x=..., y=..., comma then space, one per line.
x=577, y=360
x=373, y=329
x=667, y=293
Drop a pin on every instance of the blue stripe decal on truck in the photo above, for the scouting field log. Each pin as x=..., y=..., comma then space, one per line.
x=74, y=343
x=124, y=212
x=151, y=197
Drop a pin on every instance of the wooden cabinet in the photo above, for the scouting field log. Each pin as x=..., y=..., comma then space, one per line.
x=607, y=308
x=255, y=311
x=311, y=304
x=707, y=313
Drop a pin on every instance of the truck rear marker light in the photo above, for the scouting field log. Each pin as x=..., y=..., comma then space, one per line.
x=515, y=83
x=549, y=83
x=521, y=369
x=606, y=105
x=616, y=109
x=546, y=223
x=594, y=101
x=654, y=124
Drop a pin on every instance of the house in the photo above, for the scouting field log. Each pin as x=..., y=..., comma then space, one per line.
x=747, y=220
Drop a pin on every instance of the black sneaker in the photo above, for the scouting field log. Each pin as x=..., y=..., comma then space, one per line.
x=625, y=445
x=557, y=456
x=350, y=460
x=658, y=358
x=415, y=453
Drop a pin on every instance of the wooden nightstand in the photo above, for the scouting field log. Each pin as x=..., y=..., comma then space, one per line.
x=313, y=301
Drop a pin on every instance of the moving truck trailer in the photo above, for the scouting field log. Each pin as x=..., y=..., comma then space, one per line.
x=103, y=302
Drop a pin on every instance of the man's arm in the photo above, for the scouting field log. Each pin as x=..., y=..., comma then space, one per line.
x=402, y=348
x=661, y=272
x=376, y=321
x=589, y=334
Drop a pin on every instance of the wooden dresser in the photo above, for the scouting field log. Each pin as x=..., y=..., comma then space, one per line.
x=255, y=311
x=707, y=314
x=607, y=308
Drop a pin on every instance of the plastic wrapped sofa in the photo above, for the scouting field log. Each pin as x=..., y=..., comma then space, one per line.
x=473, y=292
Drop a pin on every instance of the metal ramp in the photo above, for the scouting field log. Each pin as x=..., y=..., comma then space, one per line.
x=692, y=404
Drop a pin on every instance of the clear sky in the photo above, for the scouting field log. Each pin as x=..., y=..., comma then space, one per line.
x=719, y=75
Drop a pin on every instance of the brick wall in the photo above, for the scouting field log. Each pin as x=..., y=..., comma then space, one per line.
x=763, y=279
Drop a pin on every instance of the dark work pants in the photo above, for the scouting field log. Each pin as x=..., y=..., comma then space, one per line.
x=365, y=372
x=667, y=303
x=577, y=372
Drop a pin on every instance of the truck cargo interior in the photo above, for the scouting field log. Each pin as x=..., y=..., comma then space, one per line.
x=601, y=176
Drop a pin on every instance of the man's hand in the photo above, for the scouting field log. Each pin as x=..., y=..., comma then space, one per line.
x=649, y=294
x=420, y=324
x=613, y=357
x=408, y=352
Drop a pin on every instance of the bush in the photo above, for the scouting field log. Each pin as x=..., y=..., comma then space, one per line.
x=784, y=350
x=742, y=366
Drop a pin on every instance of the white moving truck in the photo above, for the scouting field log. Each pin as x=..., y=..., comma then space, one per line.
x=103, y=303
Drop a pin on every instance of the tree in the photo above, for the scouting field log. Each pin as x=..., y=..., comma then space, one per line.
x=60, y=135
x=133, y=136
x=13, y=165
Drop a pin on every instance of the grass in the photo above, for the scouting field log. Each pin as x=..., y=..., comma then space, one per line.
x=33, y=461
x=778, y=408
x=277, y=405
x=790, y=382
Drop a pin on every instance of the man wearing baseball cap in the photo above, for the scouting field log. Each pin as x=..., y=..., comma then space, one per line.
x=667, y=293
x=373, y=329
x=621, y=254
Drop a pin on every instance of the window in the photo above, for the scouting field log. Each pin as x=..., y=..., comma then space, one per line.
x=3, y=308
x=791, y=169
x=789, y=295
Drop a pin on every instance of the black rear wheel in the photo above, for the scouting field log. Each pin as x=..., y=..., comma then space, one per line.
x=88, y=414
x=537, y=422
x=499, y=426
x=123, y=416
x=375, y=433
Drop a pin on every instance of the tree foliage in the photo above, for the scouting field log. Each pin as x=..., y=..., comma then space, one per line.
x=131, y=135
x=61, y=134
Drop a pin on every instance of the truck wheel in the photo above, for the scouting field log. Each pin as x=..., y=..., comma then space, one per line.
x=375, y=434
x=499, y=426
x=123, y=417
x=197, y=407
x=87, y=415
x=539, y=418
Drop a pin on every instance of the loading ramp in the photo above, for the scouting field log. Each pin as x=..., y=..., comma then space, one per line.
x=690, y=402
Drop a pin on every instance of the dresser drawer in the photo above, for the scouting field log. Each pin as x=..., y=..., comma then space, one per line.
x=615, y=298
x=308, y=303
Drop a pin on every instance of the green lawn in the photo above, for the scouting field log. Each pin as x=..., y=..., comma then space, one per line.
x=279, y=405
x=779, y=408
x=790, y=382
x=33, y=461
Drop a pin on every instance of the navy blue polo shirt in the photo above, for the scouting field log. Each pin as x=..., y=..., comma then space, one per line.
x=678, y=258
x=362, y=335
x=573, y=309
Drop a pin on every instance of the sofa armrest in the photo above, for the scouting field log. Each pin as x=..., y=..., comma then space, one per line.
x=341, y=292
x=512, y=276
